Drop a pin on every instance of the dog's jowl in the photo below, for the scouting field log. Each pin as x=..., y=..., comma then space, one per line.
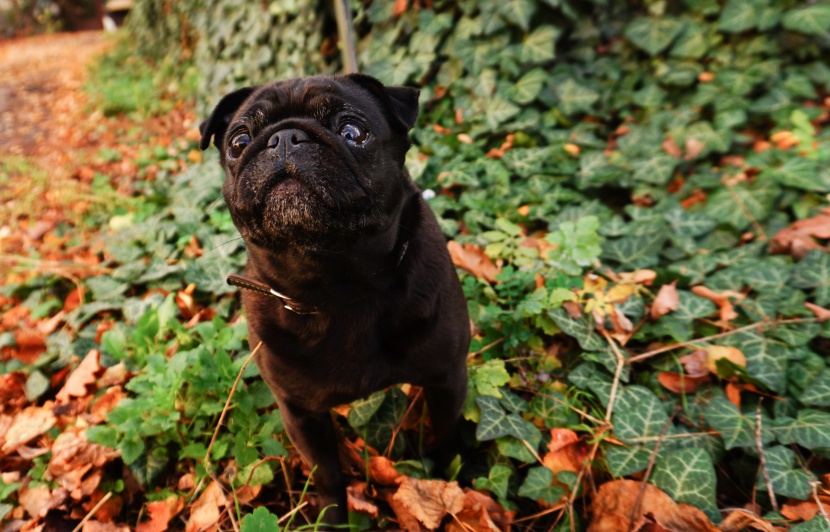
x=349, y=285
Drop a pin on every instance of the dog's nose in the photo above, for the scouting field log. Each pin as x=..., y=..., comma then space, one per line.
x=287, y=141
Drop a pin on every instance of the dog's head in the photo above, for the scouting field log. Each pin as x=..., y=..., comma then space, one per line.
x=314, y=160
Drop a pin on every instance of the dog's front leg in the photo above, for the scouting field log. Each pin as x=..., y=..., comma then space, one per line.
x=445, y=405
x=313, y=434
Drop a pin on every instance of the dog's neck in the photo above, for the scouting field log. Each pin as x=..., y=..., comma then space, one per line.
x=339, y=274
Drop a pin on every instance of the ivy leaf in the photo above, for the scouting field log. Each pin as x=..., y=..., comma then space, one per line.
x=519, y=12
x=539, y=46
x=811, y=430
x=738, y=16
x=818, y=392
x=363, y=409
x=499, y=110
x=692, y=306
x=813, y=271
x=785, y=480
x=489, y=377
x=574, y=97
x=528, y=87
x=736, y=429
x=653, y=34
x=496, y=482
x=798, y=172
x=810, y=20
x=688, y=476
x=731, y=205
x=581, y=329
x=766, y=360
x=538, y=486
x=495, y=423
x=656, y=170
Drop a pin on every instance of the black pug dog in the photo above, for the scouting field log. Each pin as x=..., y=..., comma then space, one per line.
x=349, y=284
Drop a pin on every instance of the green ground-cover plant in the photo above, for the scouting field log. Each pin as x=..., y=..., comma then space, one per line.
x=572, y=143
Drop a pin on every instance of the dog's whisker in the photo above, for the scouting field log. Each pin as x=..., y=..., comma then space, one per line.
x=224, y=243
x=212, y=205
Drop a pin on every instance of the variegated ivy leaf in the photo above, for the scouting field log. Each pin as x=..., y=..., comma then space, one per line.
x=589, y=376
x=528, y=87
x=766, y=359
x=813, y=271
x=688, y=223
x=653, y=35
x=538, y=486
x=496, y=482
x=540, y=45
x=638, y=420
x=736, y=429
x=636, y=251
x=811, y=429
x=798, y=172
x=495, y=422
x=512, y=447
x=656, y=171
x=796, y=334
x=688, y=476
x=519, y=12
x=730, y=205
x=582, y=329
x=817, y=392
x=574, y=97
x=499, y=110
x=692, y=43
x=811, y=20
x=363, y=409
x=739, y=15
x=784, y=475
x=692, y=306
x=816, y=524
x=380, y=428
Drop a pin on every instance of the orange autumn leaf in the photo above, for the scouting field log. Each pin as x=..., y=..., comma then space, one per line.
x=382, y=471
x=472, y=258
x=800, y=237
x=358, y=501
x=615, y=508
x=680, y=383
x=821, y=313
x=721, y=299
x=694, y=148
x=566, y=451
x=667, y=300
x=801, y=510
x=83, y=376
x=160, y=512
x=671, y=148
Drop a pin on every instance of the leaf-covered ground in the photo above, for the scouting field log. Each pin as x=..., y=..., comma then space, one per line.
x=641, y=226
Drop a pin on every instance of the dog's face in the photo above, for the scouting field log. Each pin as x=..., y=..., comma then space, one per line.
x=313, y=161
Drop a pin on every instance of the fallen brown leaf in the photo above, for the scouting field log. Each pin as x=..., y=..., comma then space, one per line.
x=721, y=299
x=97, y=526
x=73, y=456
x=666, y=301
x=39, y=500
x=800, y=510
x=566, y=451
x=160, y=512
x=104, y=404
x=680, y=383
x=799, y=238
x=614, y=506
x=382, y=471
x=472, y=258
x=357, y=500
x=27, y=425
x=480, y=514
x=429, y=501
x=739, y=521
x=694, y=148
x=83, y=376
x=822, y=314
x=671, y=148
x=205, y=512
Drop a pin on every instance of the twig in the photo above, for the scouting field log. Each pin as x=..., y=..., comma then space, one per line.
x=678, y=345
x=234, y=524
x=636, y=508
x=763, y=465
x=95, y=508
x=228, y=403
x=397, y=428
x=485, y=348
x=745, y=210
x=532, y=451
x=292, y=512
x=821, y=509
x=616, y=384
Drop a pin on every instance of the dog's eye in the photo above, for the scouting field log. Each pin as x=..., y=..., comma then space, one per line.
x=238, y=143
x=353, y=133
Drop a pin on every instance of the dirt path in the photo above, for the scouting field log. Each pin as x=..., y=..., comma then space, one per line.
x=41, y=96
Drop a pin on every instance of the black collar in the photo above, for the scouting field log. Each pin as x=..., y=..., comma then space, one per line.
x=247, y=283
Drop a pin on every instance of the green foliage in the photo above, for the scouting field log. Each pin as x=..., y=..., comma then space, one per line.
x=632, y=133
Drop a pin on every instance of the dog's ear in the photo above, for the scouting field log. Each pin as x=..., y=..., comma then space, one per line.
x=401, y=101
x=221, y=116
